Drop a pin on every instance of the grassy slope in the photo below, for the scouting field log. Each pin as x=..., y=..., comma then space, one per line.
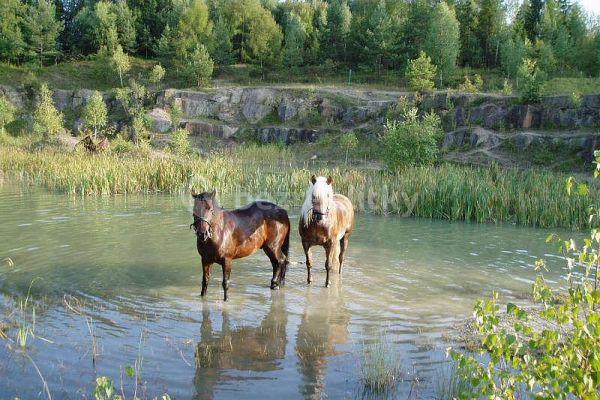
x=95, y=73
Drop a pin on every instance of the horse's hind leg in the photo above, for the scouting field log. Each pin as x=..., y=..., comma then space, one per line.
x=277, y=267
x=343, y=246
x=306, y=247
x=226, y=276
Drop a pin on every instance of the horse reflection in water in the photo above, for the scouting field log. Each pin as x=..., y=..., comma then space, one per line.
x=323, y=327
x=243, y=348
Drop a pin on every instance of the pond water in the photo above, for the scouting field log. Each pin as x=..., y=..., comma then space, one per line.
x=121, y=275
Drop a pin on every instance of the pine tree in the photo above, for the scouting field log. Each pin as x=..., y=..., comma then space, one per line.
x=415, y=28
x=371, y=36
x=315, y=35
x=339, y=18
x=294, y=41
x=512, y=51
x=12, y=44
x=533, y=17
x=545, y=56
x=95, y=114
x=125, y=23
x=443, y=41
x=491, y=23
x=420, y=73
x=164, y=46
x=41, y=31
x=222, y=49
x=198, y=65
x=470, y=53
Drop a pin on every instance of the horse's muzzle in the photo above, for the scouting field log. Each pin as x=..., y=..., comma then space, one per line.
x=203, y=235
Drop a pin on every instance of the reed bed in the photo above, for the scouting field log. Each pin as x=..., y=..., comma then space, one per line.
x=446, y=191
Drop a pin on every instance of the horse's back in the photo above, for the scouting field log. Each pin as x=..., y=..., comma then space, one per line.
x=263, y=210
x=260, y=213
x=345, y=211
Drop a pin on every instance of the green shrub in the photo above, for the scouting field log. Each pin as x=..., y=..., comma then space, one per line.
x=157, y=74
x=576, y=99
x=507, y=88
x=180, y=143
x=420, y=73
x=7, y=114
x=399, y=109
x=411, y=141
x=531, y=81
x=46, y=118
x=121, y=146
x=474, y=86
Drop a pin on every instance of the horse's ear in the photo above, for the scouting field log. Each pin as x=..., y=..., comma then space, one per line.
x=193, y=192
x=329, y=180
x=313, y=179
x=213, y=194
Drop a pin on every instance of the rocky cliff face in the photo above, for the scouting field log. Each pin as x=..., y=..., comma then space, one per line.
x=288, y=115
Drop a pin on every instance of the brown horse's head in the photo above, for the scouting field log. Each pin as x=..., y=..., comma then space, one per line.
x=205, y=206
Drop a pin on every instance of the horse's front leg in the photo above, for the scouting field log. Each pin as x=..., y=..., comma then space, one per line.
x=329, y=252
x=306, y=247
x=206, y=267
x=226, y=275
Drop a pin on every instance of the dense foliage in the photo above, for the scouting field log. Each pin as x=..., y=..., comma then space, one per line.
x=411, y=141
x=374, y=34
x=551, y=354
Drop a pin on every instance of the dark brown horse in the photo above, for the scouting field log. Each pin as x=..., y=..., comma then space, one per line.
x=223, y=236
x=327, y=220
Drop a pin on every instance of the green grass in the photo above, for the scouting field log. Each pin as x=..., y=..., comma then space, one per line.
x=568, y=86
x=481, y=194
x=92, y=73
x=450, y=385
x=380, y=366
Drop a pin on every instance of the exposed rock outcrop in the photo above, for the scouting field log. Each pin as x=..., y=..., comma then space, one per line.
x=205, y=128
x=160, y=119
x=277, y=134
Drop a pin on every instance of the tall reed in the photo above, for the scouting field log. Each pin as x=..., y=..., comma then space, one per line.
x=481, y=194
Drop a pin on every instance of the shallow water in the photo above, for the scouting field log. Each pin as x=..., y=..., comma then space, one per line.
x=126, y=269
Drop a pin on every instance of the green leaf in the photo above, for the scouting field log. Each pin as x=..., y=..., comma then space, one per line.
x=129, y=371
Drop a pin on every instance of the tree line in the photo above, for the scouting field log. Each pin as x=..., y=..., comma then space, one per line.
x=369, y=34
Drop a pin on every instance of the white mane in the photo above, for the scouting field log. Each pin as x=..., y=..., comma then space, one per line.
x=320, y=190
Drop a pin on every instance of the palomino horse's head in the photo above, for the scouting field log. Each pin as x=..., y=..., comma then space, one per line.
x=321, y=198
x=204, y=211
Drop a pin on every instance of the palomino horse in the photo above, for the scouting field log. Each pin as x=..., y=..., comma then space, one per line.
x=327, y=220
x=223, y=236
